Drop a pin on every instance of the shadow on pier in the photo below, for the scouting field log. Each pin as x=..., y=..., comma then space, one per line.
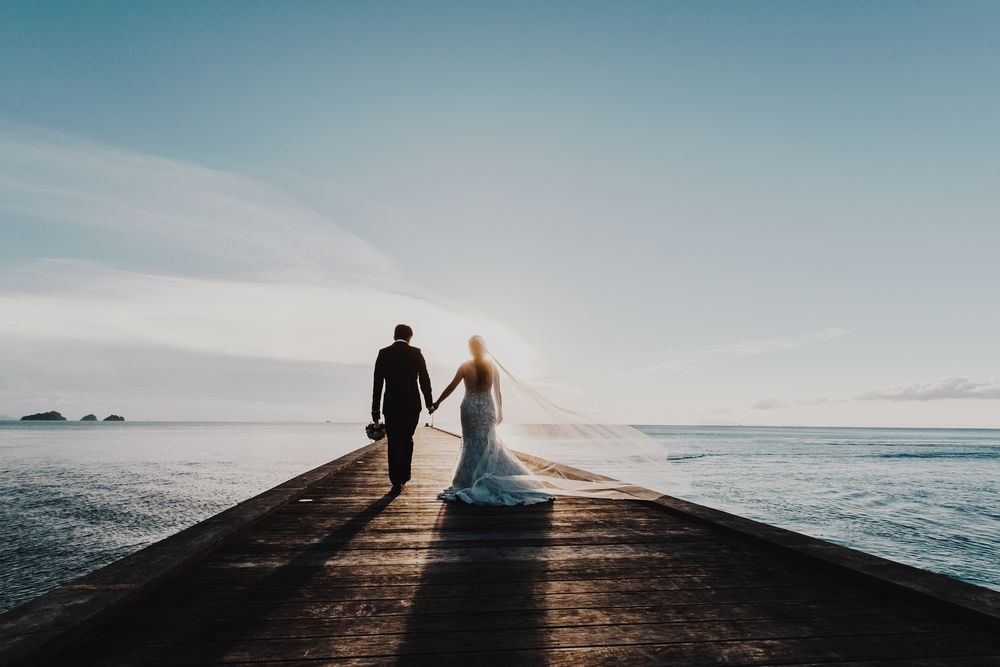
x=258, y=606
x=480, y=583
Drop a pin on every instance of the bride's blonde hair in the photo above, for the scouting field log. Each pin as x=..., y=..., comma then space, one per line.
x=480, y=361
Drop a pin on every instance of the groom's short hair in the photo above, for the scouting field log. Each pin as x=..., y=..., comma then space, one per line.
x=402, y=332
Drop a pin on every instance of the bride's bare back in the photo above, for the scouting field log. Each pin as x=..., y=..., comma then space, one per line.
x=478, y=375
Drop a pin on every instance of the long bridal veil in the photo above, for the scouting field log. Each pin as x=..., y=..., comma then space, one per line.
x=564, y=449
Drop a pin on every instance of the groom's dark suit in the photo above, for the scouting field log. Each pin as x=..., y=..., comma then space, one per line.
x=399, y=367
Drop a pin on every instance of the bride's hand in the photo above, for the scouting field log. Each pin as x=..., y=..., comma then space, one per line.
x=499, y=419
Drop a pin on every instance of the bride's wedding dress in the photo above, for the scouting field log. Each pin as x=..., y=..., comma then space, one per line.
x=487, y=472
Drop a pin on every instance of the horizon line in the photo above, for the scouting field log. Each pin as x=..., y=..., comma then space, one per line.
x=634, y=425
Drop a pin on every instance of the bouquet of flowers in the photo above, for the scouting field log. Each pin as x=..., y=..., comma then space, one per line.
x=375, y=431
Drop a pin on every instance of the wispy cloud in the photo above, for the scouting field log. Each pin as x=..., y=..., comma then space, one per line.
x=329, y=322
x=936, y=390
x=772, y=403
x=253, y=274
x=675, y=360
x=952, y=388
x=176, y=205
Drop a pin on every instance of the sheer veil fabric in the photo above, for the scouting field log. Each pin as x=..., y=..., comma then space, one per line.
x=629, y=464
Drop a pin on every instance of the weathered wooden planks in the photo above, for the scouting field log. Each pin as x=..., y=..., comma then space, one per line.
x=356, y=576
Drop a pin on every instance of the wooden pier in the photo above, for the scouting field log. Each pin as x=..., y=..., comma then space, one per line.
x=329, y=568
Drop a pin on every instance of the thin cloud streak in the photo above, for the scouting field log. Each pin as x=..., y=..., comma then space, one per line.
x=944, y=389
x=952, y=388
x=680, y=360
x=178, y=205
x=325, y=322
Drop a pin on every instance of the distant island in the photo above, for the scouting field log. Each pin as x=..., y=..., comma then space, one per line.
x=51, y=416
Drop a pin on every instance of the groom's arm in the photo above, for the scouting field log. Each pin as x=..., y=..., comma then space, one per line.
x=425, y=380
x=379, y=381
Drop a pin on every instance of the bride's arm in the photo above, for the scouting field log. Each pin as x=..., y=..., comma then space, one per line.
x=459, y=374
x=498, y=395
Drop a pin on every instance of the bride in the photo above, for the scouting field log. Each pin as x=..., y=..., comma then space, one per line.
x=487, y=472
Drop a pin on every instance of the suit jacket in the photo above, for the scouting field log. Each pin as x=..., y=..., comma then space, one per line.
x=400, y=367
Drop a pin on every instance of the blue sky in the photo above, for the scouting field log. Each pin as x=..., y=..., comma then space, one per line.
x=758, y=213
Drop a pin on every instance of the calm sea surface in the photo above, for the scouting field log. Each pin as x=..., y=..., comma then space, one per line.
x=75, y=496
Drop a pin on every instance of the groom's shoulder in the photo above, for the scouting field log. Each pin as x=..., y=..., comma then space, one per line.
x=393, y=350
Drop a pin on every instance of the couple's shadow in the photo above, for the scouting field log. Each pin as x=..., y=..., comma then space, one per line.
x=253, y=608
x=481, y=585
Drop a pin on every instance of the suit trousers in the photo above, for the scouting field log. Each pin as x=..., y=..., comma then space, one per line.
x=399, y=431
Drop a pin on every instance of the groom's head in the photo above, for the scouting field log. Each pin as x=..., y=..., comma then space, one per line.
x=402, y=332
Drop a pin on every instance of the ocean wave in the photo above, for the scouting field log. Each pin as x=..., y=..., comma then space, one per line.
x=688, y=457
x=990, y=455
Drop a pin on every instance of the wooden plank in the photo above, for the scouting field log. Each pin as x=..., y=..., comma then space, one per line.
x=652, y=591
x=345, y=590
x=145, y=627
x=466, y=556
x=142, y=628
x=527, y=601
x=841, y=638
x=277, y=545
x=637, y=656
x=595, y=573
x=869, y=651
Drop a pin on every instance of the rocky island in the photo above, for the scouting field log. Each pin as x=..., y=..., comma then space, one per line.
x=114, y=418
x=89, y=418
x=51, y=416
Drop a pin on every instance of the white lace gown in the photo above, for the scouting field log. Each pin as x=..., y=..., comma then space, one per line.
x=487, y=472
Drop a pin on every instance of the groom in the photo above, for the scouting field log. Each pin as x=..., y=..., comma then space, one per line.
x=400, y=367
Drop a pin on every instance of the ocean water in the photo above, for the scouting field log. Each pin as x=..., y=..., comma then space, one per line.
x=76, y=496
x=924, y=497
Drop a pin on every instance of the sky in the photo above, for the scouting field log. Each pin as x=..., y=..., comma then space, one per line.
x=777, y=213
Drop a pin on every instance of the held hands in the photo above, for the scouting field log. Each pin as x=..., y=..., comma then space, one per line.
x=432, y=408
